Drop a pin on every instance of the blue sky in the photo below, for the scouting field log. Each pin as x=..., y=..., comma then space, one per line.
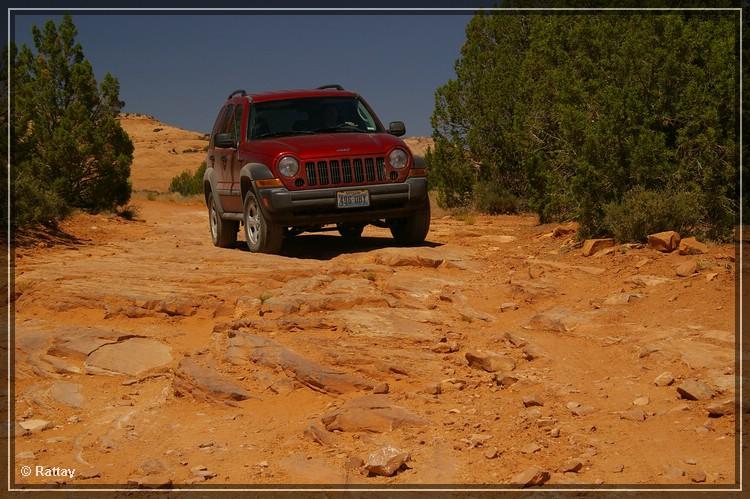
x=180, y=68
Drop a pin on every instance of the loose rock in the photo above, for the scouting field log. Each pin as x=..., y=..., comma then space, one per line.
x=381, y=388
x=664, y=241
x=591, y=246
x=532, y=400
x=35, y=425
x=633, y=415
x=571, y=466
x=695, y=390
x=489, y=361
x=664, y=379
x=509, y=306
x=691, y=246
x=386, y=461
x=686, y=269
x=531, y=477
x=723, y=408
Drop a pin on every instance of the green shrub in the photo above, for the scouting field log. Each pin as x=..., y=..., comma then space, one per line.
x=643, y=212
x=189, y=183
x=489, y=197
x=69, y=150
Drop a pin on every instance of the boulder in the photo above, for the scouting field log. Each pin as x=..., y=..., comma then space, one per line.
x=722, y=408
x=691, y=246
x=591, y=246
x=665, y=242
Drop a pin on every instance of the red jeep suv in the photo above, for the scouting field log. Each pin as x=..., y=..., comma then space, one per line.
x=287, y=162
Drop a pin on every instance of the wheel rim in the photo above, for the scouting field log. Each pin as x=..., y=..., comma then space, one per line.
x=213, y=218
x=252, y=221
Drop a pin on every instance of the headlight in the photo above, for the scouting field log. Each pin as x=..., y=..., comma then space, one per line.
x=288, y=166
x=398, y=158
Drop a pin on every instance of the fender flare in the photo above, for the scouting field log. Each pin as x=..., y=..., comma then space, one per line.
x=209, y=185
x=251, y=172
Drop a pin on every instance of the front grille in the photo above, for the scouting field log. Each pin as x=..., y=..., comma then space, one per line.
x=352, y=171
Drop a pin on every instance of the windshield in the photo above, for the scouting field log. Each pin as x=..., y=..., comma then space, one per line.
x=310, y=116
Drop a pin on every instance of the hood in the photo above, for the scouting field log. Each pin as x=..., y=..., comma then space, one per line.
x=329, y=145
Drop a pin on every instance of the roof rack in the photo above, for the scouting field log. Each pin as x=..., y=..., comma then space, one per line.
x=333, y=85
x=241, y=92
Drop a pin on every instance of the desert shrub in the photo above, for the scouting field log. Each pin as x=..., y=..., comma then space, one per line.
x=188, y=183
x=69, y=150
x=492, y=198
x=642, y=212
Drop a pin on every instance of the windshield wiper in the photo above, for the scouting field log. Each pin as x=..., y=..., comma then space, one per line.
x=282, y=134
x=344, y=127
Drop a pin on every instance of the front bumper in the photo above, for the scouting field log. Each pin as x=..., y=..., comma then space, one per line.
x=318, y=206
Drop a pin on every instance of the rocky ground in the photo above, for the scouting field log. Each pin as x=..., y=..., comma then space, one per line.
x=496, y=353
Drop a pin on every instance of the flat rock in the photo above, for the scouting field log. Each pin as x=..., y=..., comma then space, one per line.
x=531, y=477
x=591, y=246
x=556, y=320
x=67, y=393
x=386, y=461
x=532, y=352
x=35, y=425
x=531, y=448
x=664, y=241
x=489, y=361
x=132, y=357
x=645, y=280
x=271, y=354
x=514, y=339
x=633, y=415
x=691, y=246
x=623, y=298
x=696, y=475
x=691, y=389
x=208, y=381
x=371, y=413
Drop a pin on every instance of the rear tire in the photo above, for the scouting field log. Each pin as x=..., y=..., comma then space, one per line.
x=413, y=229
x=350, y=232
x=261, y=235
x=223, y=232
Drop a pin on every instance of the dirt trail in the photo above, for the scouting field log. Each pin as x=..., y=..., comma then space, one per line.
x=278, y=347
x=495, y=353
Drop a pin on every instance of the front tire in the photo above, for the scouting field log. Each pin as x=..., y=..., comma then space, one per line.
x=350, y=232
x=413, y=229
x=261, y=235
x=223, y=232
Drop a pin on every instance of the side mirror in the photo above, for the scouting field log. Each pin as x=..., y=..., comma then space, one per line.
x=224, y=140
x=397, y=128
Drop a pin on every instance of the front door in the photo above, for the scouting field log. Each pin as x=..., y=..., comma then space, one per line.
x=222, y=161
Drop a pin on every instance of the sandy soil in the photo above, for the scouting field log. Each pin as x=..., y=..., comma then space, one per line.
x=496, y=353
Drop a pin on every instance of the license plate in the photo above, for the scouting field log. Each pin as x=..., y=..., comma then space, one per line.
x=352, y=199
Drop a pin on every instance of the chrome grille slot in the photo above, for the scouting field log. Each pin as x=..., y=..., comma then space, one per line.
x=335, y=172
x=359, y=174
x=381, y=168
x=323, y=172
x=370, y=169
x=310, y=172
x=347, y=166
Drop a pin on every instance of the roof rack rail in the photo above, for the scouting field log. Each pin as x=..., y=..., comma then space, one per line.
x=333, y=85
x=240, y=91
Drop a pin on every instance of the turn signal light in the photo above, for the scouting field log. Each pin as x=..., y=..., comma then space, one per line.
x=269, y=182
